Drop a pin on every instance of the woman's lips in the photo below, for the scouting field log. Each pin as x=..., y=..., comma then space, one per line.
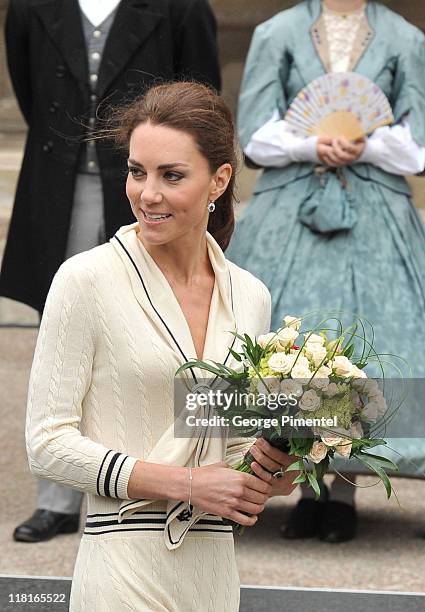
x=155, y=218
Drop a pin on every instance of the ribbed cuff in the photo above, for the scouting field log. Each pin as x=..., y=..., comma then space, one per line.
x=114, y=474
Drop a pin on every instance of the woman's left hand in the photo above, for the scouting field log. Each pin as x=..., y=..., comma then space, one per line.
x=344, y=152
x=269, y=460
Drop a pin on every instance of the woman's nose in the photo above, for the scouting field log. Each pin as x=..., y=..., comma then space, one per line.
x=150, y=192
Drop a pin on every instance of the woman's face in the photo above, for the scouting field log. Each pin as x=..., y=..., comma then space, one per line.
x=170, y=184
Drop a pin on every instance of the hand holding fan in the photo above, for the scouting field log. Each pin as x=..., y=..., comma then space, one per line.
x=339, y=104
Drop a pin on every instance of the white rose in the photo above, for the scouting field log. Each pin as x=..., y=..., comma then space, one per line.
x=314, y=339
x=301, y=373
x=291, y=387
x=370, y=412
x=292, y=322
x=342, y=366
x=330, y=440
x=270, y=385
x=357, y=372
x=309, y=401
x=321, y=378
x=279, y=362
x=331, y=390
x=301, y=369
x=319, y=450
x=286, y=337
x=318, y=383
x=316, y=353
x=344, y=448
x=323, y=372
x=268, y=340
x=367, y=386
x=356, y=430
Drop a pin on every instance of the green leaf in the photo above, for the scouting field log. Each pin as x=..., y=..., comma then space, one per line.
x=202, y=365
x=300, y=479
x=294, y=467
x=322, y=467
x=387, y=463
x=314, y=484
x=361, y=364
x=235, y=355
x=349, y=351
x=248, y=341
x=370, y=463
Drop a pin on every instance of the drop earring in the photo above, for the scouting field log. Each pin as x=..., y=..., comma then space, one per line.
x=211, y=207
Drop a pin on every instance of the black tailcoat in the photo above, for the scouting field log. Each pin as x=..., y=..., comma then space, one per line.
x=149, y=40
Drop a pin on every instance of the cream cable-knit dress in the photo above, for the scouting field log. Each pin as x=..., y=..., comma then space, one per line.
x=101, y=396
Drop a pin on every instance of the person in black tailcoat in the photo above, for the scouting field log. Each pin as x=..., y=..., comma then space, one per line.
x=69, y=62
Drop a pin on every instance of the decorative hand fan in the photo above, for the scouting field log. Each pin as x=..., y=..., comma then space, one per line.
x=339, y=104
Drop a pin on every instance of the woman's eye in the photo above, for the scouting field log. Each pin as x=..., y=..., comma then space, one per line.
x=173, y=176
x=136, y=172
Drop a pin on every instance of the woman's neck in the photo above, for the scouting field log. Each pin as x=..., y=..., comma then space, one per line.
x=183, y=260
x=343, y=6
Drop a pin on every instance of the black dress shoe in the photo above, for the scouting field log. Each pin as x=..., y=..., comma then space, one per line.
x=44, y=525
x=339, y=522
x=304, y=520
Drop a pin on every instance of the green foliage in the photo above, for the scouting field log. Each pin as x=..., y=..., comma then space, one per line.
x=300, y=446
x=322, y=467
x=296, y=466
x=314, y=484
x=377, y=465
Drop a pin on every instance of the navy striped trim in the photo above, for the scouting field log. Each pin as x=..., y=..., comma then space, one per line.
x=108, y=476
x=109, y=473
x=100, y=471
x=155, y=522
x=94, y=533
x=152, y=512
x=118, y=475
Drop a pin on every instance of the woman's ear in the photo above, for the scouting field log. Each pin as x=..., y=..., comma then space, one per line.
x=220, y=180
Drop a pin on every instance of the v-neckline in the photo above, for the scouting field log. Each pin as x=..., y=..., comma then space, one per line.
x=214, y=299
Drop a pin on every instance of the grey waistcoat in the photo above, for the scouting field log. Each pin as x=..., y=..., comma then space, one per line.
x=95, y=42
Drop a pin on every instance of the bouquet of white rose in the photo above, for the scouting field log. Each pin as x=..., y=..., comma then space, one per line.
x=330, y=405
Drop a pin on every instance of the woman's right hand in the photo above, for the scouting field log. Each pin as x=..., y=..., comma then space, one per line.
x=338, y=152
x=219, y=489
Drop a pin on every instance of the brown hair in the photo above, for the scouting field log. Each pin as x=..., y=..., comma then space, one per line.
x=198, y=111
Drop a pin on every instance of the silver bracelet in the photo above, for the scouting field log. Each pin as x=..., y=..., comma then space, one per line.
x=190, y=489
x=189, y=502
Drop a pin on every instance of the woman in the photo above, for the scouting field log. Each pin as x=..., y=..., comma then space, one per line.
x=118, y=322
x=332, y=224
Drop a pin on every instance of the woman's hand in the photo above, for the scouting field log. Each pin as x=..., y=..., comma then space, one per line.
x=219, y=489
x=269, y=460
x=338, y=152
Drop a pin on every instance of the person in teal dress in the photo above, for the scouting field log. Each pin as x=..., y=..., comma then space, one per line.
x=332, y=224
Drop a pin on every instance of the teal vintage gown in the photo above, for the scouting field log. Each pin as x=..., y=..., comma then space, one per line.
x=318, y=245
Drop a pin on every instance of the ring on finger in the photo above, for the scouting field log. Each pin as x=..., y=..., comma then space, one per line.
x=280, y=473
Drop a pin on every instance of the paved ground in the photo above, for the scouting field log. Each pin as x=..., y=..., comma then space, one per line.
x=47, y=595
x=387, y=555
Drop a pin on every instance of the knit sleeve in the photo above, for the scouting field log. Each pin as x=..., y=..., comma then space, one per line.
x=59, y=381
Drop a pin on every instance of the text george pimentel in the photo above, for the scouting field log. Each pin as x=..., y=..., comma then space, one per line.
x=259, y=422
